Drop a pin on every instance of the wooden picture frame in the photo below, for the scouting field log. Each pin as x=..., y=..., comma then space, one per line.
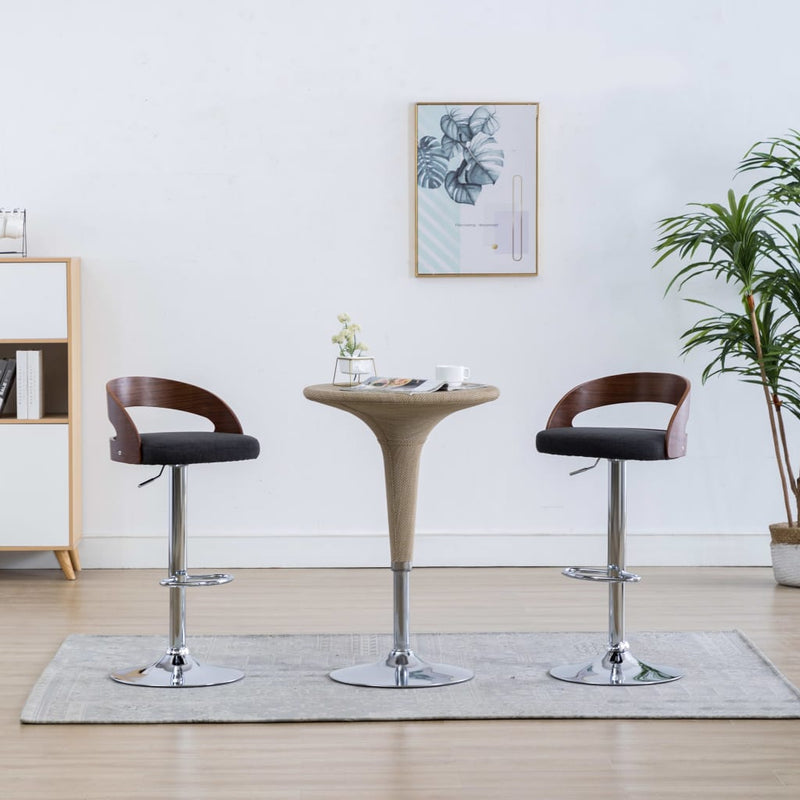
x=476, y=209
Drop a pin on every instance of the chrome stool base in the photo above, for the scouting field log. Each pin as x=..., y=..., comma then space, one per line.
x=176, y=670
x=402, y=669
x=618, y=667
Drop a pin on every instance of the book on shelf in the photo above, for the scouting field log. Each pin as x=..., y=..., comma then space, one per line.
x=408, y=385
x=35, y=384
x=22, y=384
x=30, y=388
x=8, y=370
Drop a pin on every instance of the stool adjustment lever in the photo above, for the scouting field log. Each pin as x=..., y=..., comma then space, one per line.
x=154, y=478
x=584, y=469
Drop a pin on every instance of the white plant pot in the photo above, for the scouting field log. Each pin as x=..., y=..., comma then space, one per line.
x=786, y=563
x=356, y=365
x=351, y=370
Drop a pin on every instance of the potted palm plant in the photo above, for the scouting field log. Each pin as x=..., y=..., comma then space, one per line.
x=752, y=243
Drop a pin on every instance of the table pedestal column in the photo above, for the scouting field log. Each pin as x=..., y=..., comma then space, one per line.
x=402, y=668
x=401, y=424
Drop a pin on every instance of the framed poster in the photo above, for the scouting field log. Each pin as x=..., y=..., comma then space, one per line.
x=476, y=189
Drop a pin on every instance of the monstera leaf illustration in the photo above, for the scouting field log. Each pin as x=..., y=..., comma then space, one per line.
x=484, y=160
x=431, y=163
x=470, y=137
x=450, y=147
x=455, y=125
x=483, y=121
x=461, y=192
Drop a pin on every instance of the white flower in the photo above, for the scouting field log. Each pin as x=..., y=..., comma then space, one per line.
x=346, y=338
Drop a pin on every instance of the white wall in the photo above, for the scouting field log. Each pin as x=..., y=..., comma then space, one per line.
x=235, y=174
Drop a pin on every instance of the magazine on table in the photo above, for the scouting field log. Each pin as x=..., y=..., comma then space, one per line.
x=408, y=385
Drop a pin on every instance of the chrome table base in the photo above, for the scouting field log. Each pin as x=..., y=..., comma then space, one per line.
x=401, y=670
x=178, y=670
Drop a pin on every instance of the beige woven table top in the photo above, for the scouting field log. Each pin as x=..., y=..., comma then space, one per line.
x=401, y=422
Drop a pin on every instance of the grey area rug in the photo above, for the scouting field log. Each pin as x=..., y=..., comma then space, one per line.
x=286, y=680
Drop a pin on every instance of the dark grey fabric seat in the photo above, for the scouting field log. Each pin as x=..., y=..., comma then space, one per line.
x=197, y=447
x=628, y=444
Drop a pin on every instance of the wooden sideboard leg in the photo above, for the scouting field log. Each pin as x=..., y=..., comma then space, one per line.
x=65, y=564
x=75, y=558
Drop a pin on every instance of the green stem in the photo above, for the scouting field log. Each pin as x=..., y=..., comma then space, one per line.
x=751, y=309
x=778, y=403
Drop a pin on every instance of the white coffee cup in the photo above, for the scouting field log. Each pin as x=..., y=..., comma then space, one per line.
x=452, y=374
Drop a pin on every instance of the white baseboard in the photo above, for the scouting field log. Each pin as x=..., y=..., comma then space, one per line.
x=432, y=549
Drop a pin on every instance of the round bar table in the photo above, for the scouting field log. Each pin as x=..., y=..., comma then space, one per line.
x=401, y=422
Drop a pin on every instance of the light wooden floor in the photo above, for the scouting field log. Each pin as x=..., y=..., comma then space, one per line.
x=546, y=760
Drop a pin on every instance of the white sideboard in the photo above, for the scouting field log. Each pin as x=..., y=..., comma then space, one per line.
x=40, y=459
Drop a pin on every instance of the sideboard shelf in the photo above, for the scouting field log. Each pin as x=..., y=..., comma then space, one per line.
x=48, y=419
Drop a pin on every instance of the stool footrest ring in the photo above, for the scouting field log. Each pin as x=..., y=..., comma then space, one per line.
x=179, y=581
x=604, y=574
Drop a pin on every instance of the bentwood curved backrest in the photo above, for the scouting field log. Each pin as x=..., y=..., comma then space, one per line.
x=631, y=387
x=122, y=393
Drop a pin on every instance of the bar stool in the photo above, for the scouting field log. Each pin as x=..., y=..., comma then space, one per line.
x=176, y=449
x=618, y=666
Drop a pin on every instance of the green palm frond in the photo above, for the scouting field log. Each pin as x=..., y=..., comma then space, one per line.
x=780, y=159
x=729, y=337
x=728, y=242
